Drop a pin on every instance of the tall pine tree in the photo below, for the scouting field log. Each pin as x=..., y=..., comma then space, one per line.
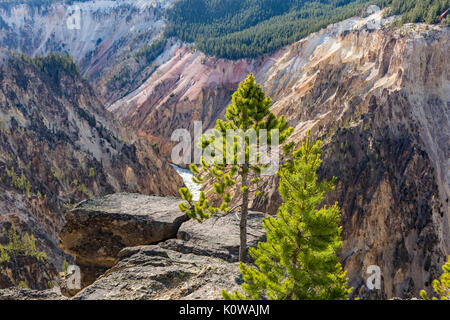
x=298, y=261
x=235, y=160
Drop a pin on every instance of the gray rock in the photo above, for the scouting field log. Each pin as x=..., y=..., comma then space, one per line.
x=217, y=237
x=97, y=229
x=17, y=293
x=111, y=238
x=152, y=272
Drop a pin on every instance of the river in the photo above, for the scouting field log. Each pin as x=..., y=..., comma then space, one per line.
x=187, y=175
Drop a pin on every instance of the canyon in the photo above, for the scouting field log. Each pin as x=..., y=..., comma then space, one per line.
x=378, y=97
x=58, y=146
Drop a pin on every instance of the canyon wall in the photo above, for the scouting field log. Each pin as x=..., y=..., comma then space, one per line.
x=377, y=97
x=58, y=146
x=103, y=37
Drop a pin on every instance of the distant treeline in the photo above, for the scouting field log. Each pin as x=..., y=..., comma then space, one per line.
x=426, y=11
x=53, y=66
x=236, y=29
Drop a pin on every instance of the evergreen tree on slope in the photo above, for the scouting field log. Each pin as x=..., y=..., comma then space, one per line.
x=249, y=110
x=298, y=261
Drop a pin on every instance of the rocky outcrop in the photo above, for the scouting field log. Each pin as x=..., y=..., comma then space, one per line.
x=187, y=260
x=151, y=272
x=16, y=293
x=97, y=229
x=217, y=237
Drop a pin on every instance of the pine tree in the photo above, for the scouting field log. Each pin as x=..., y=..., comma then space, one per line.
x=442, y=288
x=298, y=261
x=249, y=110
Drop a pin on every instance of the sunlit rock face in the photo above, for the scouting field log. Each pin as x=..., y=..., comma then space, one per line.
x=101, y=36
x=379, y=100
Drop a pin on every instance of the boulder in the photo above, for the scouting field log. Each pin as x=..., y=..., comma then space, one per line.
x=152, y=272
x=97, y=229
x=217, y=237
x=131, y=246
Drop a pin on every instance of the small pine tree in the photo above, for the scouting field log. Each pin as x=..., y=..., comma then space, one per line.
x=298, y=261
x=65, y=267
x=4, y=256
x=442, y=288
x=24, y=285
x=249, y=110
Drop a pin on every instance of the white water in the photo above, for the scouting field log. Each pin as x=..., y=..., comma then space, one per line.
x=187, y=176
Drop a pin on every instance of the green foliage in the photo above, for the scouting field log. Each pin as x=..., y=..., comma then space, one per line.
x=120, y=79
x=18, y=245
x=298, y=261
x=249, y=110
x=23, y=285
x=152, y=51
x=65, y=266
x=83, y=189
x=87, y=116
x=54, y=66
x=426, y=11
x=442, y=288
x=249, y=28
x=148, y=54
x=20, y=183
x=91, y=172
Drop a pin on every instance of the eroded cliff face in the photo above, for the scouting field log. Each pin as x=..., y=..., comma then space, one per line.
x=380, y=101
x=102, y=37
x=185, y=88
x=58, y=146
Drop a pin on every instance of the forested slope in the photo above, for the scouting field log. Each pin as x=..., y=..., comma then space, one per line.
x=236, y=29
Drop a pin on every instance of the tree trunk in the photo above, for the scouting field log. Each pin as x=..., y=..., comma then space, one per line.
x=243, y=223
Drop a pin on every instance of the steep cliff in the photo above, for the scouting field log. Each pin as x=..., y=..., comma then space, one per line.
x=104, y=37
x=58, y=146
x=380, y=101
